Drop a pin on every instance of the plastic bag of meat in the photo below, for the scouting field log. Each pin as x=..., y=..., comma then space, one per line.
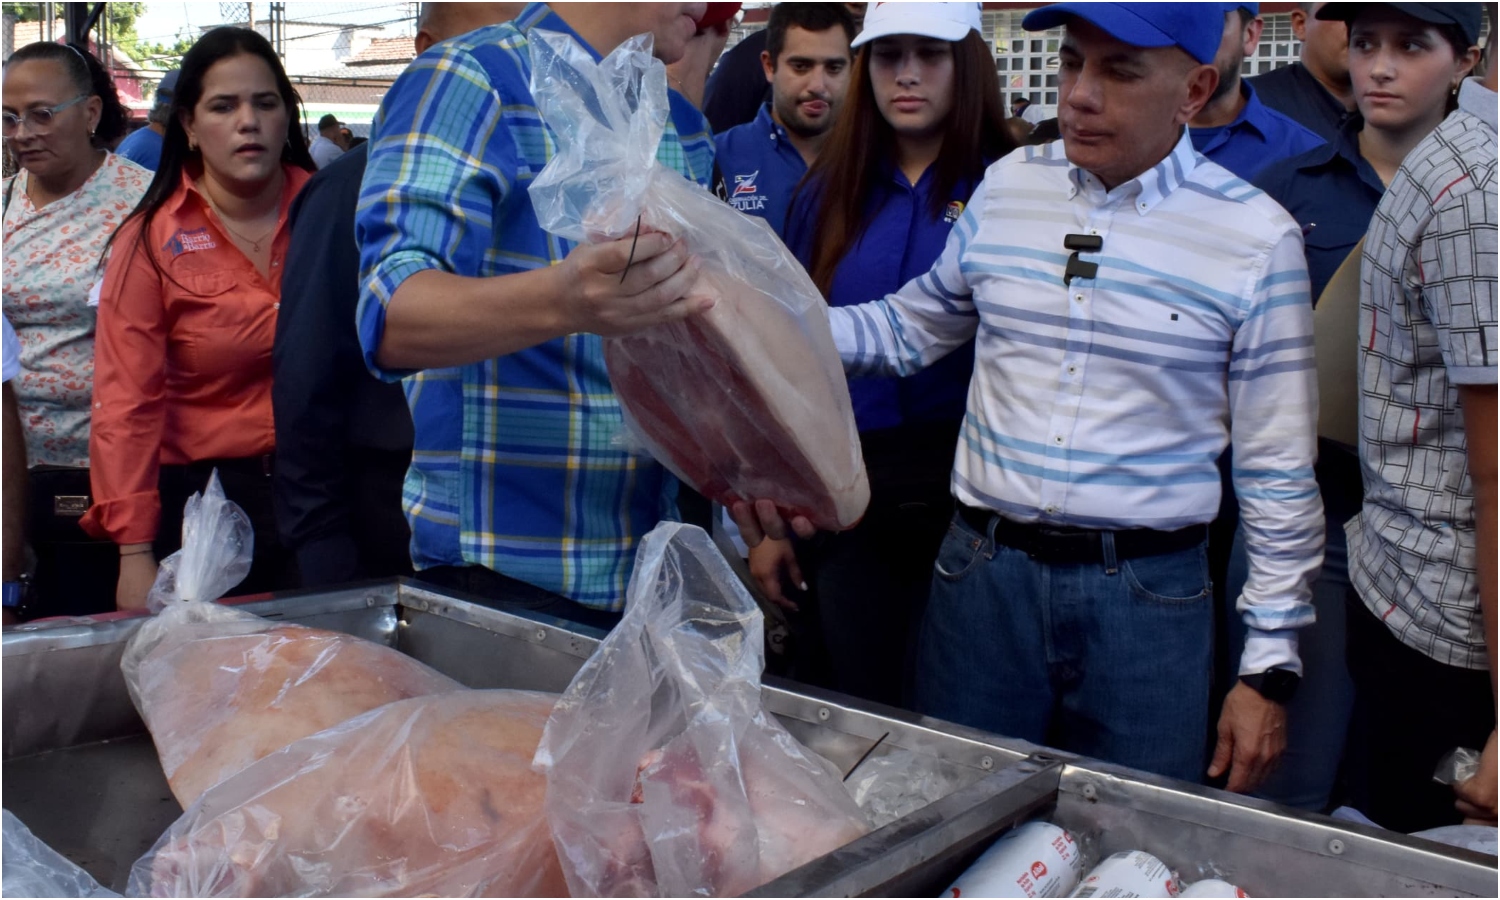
x=747, y=400
x=33, y=869
x=433, y=796
x=665, y=774
x=220, y=688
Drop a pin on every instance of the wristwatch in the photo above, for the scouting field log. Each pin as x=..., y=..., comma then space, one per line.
x=1276, y=685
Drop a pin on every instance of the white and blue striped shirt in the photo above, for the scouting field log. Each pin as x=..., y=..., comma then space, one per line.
x=1104, y=404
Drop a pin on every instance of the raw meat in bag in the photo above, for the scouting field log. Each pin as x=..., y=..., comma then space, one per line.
x=433, y=796
x=220, y=688
x=665, y=774
x=747, y=400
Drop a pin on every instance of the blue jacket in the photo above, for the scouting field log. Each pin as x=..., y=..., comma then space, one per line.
x=900, y=242
x=761, y=169
x=1332, y=192
x=1259, y=137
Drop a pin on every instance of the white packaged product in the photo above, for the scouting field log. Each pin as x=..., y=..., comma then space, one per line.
x=1213, y=887
x=1037, y=859
x=1134, y=873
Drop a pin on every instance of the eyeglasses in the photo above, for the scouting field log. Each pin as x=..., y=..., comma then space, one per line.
x=39, y=121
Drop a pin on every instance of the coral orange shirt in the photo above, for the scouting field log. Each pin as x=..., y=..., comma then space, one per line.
x=182, y=357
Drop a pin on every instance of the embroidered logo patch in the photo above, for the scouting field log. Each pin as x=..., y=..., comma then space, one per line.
x=190, y=242
x=955, y=209
x=746, y=196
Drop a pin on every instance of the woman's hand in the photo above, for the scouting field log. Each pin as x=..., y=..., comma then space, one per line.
x=773, y=564
x=137, y=575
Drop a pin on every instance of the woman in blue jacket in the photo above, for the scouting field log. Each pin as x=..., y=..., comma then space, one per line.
x=923, y=119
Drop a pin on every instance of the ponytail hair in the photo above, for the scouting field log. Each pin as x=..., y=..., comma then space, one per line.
x=89, y=77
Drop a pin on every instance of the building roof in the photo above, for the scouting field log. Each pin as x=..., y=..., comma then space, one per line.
x=384, y=51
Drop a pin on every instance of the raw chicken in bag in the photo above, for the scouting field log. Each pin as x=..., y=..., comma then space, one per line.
x=665, y=774
x=220, y=688
x=432, y=796
x=747, y=400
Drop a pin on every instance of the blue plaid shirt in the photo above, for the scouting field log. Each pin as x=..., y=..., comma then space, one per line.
x=515, y=466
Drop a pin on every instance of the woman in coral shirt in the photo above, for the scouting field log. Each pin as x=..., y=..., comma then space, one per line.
x=182, y=378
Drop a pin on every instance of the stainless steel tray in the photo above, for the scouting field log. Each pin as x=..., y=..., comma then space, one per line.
x=81, y=772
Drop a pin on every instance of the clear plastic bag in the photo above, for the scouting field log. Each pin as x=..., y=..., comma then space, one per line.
x=32, y=869
x=433, y=796
x=899, y=782
x=665, y=774
x=747, y=400
x=1457, y=765
x=220, y=688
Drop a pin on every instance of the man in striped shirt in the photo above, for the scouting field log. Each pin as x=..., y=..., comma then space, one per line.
x=517, y=487
x=1136, y=308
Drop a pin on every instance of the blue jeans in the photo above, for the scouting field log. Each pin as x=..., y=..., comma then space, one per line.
x=1110, y=659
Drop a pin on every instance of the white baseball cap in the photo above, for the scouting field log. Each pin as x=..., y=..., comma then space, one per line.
x=944, y=21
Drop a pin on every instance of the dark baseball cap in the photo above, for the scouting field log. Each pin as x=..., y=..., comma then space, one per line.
x=329, y=120
x=1465, y=15
x=1195, y=27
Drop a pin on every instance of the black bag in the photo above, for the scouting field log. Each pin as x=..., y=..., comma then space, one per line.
x=76, y=574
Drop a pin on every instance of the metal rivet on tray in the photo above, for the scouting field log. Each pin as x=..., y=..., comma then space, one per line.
x=824, y=714
x=1090, y=792
x=541, y=634
x=986, y=762
x=1336, y=847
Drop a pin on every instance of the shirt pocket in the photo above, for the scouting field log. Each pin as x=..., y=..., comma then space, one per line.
x=219, y=328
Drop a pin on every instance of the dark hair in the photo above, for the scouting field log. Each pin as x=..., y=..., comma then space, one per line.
x=218, y=44
x=808, y=17
x=850, y=161
x=1453, y=34
x=89, y=77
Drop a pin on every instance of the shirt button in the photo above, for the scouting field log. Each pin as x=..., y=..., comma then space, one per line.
x=1093, y=231
x=98, y=406
x=1143, y=207
x=1051, y=509
x=276, y=306
x=1058, y=439
x=1072, y=370
x=1078, y=297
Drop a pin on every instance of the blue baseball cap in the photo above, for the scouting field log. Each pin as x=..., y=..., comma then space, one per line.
x=1195, y=27
x=1251, y=8
x=166, y=87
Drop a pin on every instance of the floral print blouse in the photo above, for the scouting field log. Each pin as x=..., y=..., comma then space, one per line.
x=51, y=258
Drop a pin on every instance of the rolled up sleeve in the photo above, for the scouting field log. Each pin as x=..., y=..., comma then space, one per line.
x=440, y=167
x=1274, y=409
x=125, y=438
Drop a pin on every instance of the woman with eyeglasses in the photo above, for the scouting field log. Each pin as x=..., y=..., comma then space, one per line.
x=69, y=195
x=187, y=314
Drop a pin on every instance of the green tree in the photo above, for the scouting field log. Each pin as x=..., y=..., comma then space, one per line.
x=122, y=18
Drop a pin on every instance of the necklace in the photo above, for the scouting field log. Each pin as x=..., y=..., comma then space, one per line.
x=223, y=220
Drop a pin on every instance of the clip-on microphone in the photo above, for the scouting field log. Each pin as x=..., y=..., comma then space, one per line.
x=1081, y=243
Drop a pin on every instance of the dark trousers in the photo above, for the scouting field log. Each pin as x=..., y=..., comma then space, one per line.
x=1409, y=710
x=512, y=595
x=858, y=628
x=247, y=482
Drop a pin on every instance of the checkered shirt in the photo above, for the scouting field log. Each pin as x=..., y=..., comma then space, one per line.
x=516, y=466
x=1426, y=326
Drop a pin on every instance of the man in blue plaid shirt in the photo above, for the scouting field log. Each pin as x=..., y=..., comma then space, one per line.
x=517, y=487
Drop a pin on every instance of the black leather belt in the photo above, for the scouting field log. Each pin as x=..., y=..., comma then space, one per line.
x=1059, y=544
